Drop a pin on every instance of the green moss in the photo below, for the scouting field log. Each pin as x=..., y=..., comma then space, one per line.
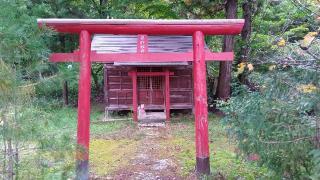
x=232, y=167
x=108, y=155
x=223, y=159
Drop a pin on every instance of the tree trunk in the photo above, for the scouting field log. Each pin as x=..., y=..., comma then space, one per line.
x=247, y=8
x=10, y=160
x=102, y=8
x=318, y=133
x=223, y=90
x=95, y=80
x=65, y=93
x=4, y=168
x=16, y=158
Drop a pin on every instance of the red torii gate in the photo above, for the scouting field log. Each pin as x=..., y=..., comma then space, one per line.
x=197, y=28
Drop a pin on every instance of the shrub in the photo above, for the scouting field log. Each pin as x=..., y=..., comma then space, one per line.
x=279, y=122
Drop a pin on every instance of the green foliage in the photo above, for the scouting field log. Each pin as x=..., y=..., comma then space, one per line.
x=22, y=43
x=287, y=20
x=262, y=44
x=316, y=162
x=224, y=161
x=270, y=122
x=297, y=32
x=277, y=123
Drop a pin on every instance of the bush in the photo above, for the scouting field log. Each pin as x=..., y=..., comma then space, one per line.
x=279, y=122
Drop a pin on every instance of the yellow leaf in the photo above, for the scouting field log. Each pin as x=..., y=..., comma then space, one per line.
x=307, y=88
x=282, y=43
x=313, y=34
x=307, y=40
x=240, y=68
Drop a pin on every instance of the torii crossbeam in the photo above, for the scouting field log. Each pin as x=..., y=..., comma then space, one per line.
x=197, y=28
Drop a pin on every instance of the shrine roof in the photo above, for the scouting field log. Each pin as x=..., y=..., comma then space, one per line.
x=106, y=43
x=146, y=26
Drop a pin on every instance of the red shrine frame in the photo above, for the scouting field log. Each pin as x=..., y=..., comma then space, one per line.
x=134, y=75
x=141, y=27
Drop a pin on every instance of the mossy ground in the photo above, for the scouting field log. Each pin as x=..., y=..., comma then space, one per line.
x=121, y=149
x=175, y=142
x=108, y=155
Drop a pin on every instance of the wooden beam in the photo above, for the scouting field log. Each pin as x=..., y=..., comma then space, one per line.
x=134, y=76
x=167, y=93
x=200, y=105
x=144, y=26
x=154, y=73
x=140, y=57
x=83, y=131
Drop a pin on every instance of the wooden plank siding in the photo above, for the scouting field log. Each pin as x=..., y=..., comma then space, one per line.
x=118, y=89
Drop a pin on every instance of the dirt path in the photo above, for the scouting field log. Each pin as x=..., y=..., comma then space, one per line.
x=135, y=153
x=150, y=160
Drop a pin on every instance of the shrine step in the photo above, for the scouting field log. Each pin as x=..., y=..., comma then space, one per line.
x=151, y=125
x=153, y=117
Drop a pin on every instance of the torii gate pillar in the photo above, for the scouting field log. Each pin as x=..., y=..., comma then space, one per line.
x=200, y=104
x=197, y=28
x=83, y=133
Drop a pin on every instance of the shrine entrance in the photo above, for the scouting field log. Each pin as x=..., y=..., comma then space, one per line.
x=151, y=89
x=198, y=57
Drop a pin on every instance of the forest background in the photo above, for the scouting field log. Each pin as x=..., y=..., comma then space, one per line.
x=269, y=95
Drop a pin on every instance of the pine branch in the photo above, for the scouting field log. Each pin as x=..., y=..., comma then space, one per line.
x=290, y=141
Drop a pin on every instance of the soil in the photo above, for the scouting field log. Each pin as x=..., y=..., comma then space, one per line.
x=150, y=160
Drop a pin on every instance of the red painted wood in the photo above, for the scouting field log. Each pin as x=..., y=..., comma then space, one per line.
x=153, y=73
x=140, y=57
x=83, y=133
x=142, y=44
x=225, y=27
x=197, y=28
x=138, y=21
x=167, y=93
x=200, y=96
x=134, y=95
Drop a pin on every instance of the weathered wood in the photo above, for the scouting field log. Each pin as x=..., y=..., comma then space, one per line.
x=61, y=21
x=140, y=57
x=197, y=28
x=118, y=88
x=83, y=132
x=200, y=105
x=145, y=26
x=167, y=93
x=134, y=95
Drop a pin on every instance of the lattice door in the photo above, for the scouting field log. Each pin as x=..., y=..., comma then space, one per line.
x=151, y=89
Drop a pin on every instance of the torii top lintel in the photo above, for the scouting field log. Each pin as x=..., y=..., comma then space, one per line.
x=85, y=56
x=145, y=26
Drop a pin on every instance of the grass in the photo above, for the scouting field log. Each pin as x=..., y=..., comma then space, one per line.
x=55, y=157
x=223, y=159
x=65, y=119
x=50, y=154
